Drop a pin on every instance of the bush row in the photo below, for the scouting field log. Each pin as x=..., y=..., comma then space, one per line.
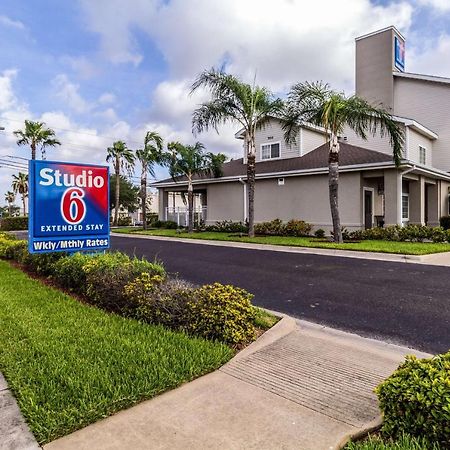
x=415, y=399
x=14, y=223
x=411, y=233
x=228, y=226
x=140, y=289
x=278, y=228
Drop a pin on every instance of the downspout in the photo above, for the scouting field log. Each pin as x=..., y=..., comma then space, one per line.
x=244, y=185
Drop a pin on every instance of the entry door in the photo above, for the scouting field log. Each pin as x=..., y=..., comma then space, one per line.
x=368, y=209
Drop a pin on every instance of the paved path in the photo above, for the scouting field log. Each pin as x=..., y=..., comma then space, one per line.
x=14, y=432
x=297, y=388
x=407, y=304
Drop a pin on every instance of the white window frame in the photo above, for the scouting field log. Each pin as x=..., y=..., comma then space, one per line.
x=405, y=194
x=269, y=143
x=421, y=147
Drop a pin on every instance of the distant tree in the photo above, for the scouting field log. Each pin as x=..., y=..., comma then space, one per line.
x=122, y=159
x=36, y=135
x=20, y=186
x=129, y=194
x=149, y=156
x=188, y=161
x=234, y=101
x=317, y=104
x=10, y=197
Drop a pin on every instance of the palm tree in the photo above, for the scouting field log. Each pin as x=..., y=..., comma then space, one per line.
x=20, y=186
x=235, y=101
x=123, y=160
x=188, y=161
x=9, y=198
x=148, y=156
x=317, y=104
x=36, y=135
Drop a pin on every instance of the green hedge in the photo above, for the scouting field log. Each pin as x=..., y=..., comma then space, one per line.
x=415, y=399
x=14, y=223
x=140, y=289
x=278, y=228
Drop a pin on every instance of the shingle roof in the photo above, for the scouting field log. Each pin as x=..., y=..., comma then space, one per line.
x=349, y=155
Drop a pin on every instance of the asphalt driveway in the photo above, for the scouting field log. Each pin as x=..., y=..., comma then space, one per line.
x=408, y=304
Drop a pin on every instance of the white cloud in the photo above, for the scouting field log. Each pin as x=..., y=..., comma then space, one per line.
x=107, y=98
x=68, y=93
x=440, y=5
x=433, y=58
x=83, y=67
x=10, y=23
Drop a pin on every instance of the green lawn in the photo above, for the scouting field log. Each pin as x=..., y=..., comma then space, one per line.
x=404, y=248
x=69, y=364
x=402, y=443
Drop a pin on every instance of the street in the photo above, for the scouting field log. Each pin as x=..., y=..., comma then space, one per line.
x=408, y=304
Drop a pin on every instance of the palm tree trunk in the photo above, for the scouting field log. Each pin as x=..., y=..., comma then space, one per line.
x=116, y=209
x=10, y=209
x=23, y=203
x=190, y=207
x=144, y=197
x=333, y=183
x=251, y=171
x=33, y=150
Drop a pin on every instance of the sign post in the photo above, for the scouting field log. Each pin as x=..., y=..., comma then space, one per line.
x=69, y=207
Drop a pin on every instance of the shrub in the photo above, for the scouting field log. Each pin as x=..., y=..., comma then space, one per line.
x=10, y=247
x=272, y=228
x=415, y=399
x=124, y=221
x=223, y=313
x=160, y=301
x=14, y=223
x=228, y=226
x=42, y=264
x=151, y=219
x=168, y=224
x=108, y=274
x=319, y=233
x=297, y=228
x=445, y=222
x=69, y=272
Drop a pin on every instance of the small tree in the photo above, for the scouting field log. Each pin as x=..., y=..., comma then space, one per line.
x=36, y=135
x=122, y=159
x=10, y=197
x=149, y=156
x=317, y=104
x=234, y=101
x=188, y=161
x=20, y=186
x=129, y=194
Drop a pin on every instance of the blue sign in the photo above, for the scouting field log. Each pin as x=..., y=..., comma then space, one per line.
x=399, y=54
x=69, y=207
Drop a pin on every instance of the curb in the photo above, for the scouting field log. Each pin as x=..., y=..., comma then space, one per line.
x=374, y=256
x=359, y=434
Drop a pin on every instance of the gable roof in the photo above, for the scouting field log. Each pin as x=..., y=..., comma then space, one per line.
x=349, y=155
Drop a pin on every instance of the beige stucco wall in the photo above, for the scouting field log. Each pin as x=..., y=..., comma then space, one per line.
x=225, y=202
x=311, y=139
x=415, y=140
x=429, y=104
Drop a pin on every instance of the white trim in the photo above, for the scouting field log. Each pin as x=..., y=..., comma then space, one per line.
x=270, y=143
x=418, y=76
x=372, y=190
x=373, y=33
x=406, y=142
x=301, y=141
x=421, y=147
x=405, y=194
x=416, y=126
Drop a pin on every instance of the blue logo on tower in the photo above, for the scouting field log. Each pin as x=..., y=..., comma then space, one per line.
x=69, y=207
x=399, y=54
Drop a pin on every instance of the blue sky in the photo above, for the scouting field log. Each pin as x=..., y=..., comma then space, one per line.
x=102, y=70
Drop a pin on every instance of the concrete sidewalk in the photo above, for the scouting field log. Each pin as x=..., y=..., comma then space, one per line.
x=300, y=386
x=435, y=259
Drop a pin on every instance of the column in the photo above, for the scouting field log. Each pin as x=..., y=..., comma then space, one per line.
x=392, y=197
x=417, y=201
x=433, y=205
x=163, y=202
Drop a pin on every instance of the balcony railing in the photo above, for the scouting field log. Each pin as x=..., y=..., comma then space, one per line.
x=180, y=215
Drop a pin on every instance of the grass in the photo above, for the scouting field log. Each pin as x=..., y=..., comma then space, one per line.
x=405, y=442
x=404, y=248
x=69, y=364
x=264, y=320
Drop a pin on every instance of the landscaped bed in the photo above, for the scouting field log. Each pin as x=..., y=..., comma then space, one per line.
x=70, y=364
x=404, y=248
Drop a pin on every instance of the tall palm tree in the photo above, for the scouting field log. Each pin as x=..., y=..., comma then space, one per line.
x=319, y=105
x=188, y=161
x=235, y=101
x=36, y=135
x=20, y=186
x=122, y=159
x=149, y=156
x=10, y=196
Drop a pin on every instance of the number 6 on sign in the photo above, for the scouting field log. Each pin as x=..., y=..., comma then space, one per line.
x=73, y=207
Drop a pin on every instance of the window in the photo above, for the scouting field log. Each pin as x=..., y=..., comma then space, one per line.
x=422, y=155
x=270, y=151
x=405, y=206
